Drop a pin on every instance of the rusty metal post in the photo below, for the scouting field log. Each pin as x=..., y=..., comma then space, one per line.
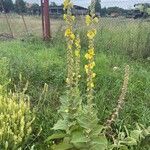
x=45, y=19
x=42, y=5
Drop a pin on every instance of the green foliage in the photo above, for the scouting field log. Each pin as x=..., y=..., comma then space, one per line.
x=8, y=5
x=20, y=6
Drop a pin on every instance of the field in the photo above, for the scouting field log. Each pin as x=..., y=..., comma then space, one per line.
x=119, y=42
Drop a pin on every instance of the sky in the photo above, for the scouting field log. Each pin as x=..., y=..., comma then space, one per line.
x=105, y=3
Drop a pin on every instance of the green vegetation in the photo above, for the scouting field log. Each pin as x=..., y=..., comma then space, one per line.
x=117, y=45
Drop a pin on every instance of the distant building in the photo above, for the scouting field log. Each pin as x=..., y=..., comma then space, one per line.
x=56, y=10
x=77, y=10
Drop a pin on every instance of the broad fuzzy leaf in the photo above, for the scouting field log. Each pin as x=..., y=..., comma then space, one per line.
x=55, y=136
x=99, y=143
x=60, y=125
x=79, y=140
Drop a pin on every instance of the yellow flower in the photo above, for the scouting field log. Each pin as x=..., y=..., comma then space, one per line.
x=92, y=85
x=65, y=16
x=88, y=56
x=96, y=20
x=67, y=4
x=91, y=51
x=91, y=34
x=72, y=18
x=72, y=36
x=88, y=20
x=77, y=53
x=93, y=75
x=68, y=32
x=69, y=46
x=92, y=65
x=86, y=68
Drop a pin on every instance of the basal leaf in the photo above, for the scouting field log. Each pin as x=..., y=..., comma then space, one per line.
x=79, y=140
x=60, y=125
x=55, y=136
x=99, y=143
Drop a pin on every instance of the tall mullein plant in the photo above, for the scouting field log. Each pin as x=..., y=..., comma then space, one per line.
x=71, y=101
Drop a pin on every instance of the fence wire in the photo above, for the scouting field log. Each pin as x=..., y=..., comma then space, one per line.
x=112, y=21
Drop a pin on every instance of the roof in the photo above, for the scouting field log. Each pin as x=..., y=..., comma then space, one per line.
x=75, y=6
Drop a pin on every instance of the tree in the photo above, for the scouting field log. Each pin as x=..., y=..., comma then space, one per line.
x=7, y=5
x=115, y=10
x=35, y=9
x=53, y=4
x=20, y=6
x=97, y=6
x=104, y=12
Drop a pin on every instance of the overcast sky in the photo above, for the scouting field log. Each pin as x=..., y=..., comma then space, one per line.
x=105, y=3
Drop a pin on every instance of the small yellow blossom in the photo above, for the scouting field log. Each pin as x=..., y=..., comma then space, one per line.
x=92, y=85
x=88, y=56
x=92, y=65
x=72, y=18
x=91, y=34
x=67, y=4
x=77, y=53
x=95, y=20
x=72, y=36
x=65, y=16
x=69, y=46
x=86, y=68
x=68, y=32
x=93, y=75
x=88, y=20
x=91, y=51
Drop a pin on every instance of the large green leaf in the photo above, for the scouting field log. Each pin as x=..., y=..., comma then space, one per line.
x=60, y=125
x=62, y=146
x=55, y=136
x=99, y=143
x=88, y=120
x=78, y=139
x=129, y=141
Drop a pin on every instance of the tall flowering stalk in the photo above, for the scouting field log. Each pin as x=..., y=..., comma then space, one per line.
x=70, y=36
x=91, y=33
x=77, y=60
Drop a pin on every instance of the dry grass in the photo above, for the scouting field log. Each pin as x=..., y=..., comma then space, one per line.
x=33, y=23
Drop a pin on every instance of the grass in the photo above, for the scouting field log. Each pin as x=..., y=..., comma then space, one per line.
x=41, y=63
x=33, y=23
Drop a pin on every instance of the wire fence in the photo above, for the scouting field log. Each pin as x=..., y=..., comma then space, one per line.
x=21, y=25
